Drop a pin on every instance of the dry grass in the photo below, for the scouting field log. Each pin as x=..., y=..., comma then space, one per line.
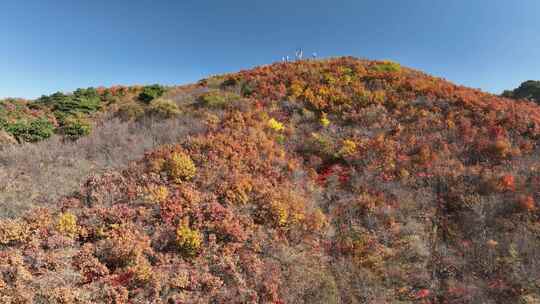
x=37, y=174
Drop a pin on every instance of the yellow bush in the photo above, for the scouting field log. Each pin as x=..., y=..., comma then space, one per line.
x=284, y=215
x=156, y=194
x=275, y=125
x=281, y=214
x=180, y=280
x=296, y=89
x=12, y=231
x=164, y=108
x=188, y=241
x=142, y=270
x=348, y=148
x=325, y=122
x=180, y=167
x=67, y=224
x=238, y=193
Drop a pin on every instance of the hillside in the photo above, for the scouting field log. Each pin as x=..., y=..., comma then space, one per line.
x=330, y=181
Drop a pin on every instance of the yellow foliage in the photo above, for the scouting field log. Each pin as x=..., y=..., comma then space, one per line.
x=142, y=270
x=378, y=96
x=404, y=173
x=180, y=281
x=296, y=90
x=157, y=194
x=281, y=214
x=239, y=192
x=188, y=241
x=325, y=122
x=180, y=167
x=67, y=224
x=348, y=148
x=275, y=125
x=12, y=231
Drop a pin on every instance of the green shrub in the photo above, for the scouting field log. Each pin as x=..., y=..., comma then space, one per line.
x=152, y=92
x=164, y=108
x=33, y=131
x=52, y=99
x=3, y=123
x=75, y=105
x=387, y=66
x=86, y=93
x=247, y=89
x=217, y=99
x=75, y=127
x=81, y=101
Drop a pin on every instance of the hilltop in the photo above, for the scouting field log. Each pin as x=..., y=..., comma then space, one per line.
x=317, y=181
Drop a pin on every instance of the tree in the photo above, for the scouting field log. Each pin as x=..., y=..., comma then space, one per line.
x=527, y=90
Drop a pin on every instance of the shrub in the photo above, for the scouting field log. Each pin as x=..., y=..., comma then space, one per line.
x=130, y=111
x=86, y=93
x=325, y=122
x=142, y=271
x=12, y=231
x=387, y=66
x=275, y=125
x=3, y=123
x=238, y=192
x=501, y=148
x=75, y=127
x=33, y=131
x=81, y=103
x=507, y=183
x=188, y=240
x=348, y=148
x=527, y=203
x=157, y=194
x=52, y=99
x=180, y=167
x=280, y=214
x=164, y=108
x=67, y=224
x=217, y=99
x=151, y=92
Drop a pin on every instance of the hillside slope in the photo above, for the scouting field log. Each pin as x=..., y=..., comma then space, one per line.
x=333, y=181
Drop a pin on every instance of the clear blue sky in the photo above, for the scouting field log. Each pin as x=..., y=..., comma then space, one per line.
x=51, y=45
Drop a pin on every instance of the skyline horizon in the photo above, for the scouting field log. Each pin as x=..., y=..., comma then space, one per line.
x=61, y=45
x=188, y=82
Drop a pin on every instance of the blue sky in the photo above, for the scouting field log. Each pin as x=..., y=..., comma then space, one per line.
x=52, y=45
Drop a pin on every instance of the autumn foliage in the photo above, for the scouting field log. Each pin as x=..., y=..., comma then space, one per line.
x=332, y=181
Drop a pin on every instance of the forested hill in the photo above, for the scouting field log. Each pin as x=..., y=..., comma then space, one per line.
x=316, y=181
